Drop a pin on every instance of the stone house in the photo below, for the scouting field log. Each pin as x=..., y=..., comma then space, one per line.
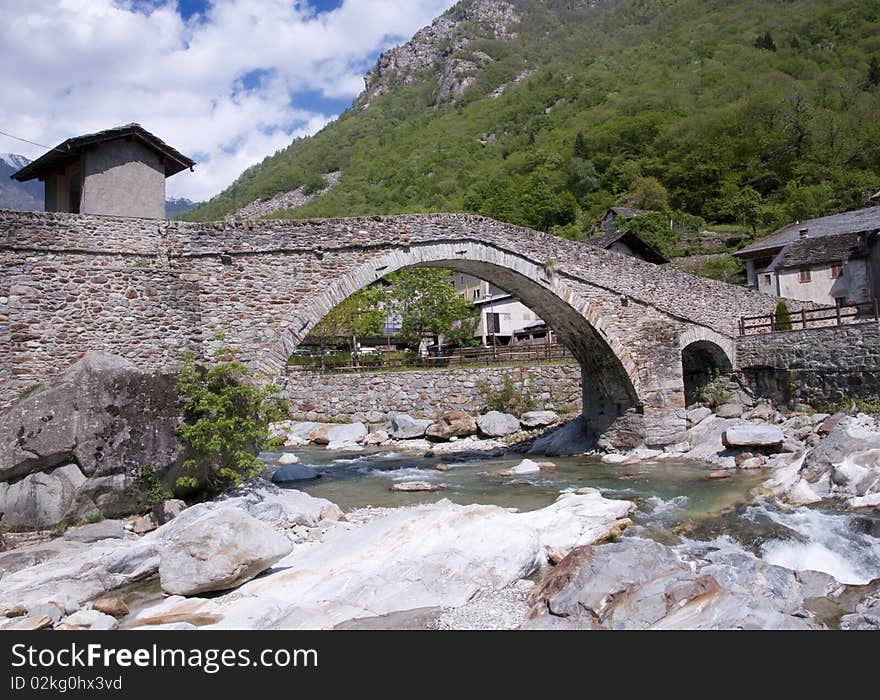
x=609, y=223
x=627, y=243
x=117, y=172
x=830, y=260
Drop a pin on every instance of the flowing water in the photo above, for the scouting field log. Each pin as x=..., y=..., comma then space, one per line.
x=674, y=500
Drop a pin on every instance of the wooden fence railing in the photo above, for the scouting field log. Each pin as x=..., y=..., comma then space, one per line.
x=823, y=317
x=460, y=357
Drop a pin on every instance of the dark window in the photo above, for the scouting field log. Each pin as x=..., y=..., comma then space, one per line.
x=493, y=323
x=767, y=280
x=836, y=271
x=804, y=275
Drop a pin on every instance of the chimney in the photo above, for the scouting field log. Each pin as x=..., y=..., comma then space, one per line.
x=805, y=233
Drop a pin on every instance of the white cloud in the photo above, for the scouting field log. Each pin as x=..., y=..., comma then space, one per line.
x=75, y=66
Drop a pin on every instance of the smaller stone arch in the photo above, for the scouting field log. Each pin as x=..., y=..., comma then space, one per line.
x=704, y=355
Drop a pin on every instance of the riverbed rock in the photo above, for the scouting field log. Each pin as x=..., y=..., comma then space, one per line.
x=415, y=486
x=287, y=458
x=437, y=555
x=527, y=466
x=27, y=624
x=756, y=462
x=91, y=620
x=377, y=437
x=294, y=472
x=405, y=427
x=452, y=424
x=110, y=605
x=142, y=524
x=337, y=437
x=168, y=510
x=729, y=410
x=497, y=424
x=538, y=419
x=42, y=499
x=54, y=611
x=641, y=584
x=102, y=414
x=104, y=530
x=220, y=550
x=83, y=573
x=753, y=435
x=698, y=414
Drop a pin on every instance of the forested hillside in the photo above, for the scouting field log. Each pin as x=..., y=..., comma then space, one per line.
x=753, y=112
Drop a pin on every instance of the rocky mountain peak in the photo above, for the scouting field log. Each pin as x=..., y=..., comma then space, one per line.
x=437, y=45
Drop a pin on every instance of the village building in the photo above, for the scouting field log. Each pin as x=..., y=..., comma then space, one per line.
x=830, y=260
x=616, y=216
x=117, y=172
x=627, y=243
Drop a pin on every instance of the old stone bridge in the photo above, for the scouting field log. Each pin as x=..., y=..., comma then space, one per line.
x=148, y=290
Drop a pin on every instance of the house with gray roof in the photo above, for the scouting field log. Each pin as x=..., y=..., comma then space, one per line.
x=117, y=172
x=830, y=260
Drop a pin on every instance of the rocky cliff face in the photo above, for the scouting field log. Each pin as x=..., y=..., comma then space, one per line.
x=441, y=46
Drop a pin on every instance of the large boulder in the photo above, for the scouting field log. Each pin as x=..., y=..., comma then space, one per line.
x=452, y=424
x=78, y=444
x=538, y=419
x=437, y=555
x=404, y=427
x=640, y=584
x=752, y=435
x=294, y=472
x=220, y=550
x=497, y=424
x=339, y=436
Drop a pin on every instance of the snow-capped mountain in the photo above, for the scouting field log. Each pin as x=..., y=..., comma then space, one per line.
x=23, y=196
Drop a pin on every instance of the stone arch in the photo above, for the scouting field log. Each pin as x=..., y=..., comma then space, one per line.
x=610, y=378
x=704, y=353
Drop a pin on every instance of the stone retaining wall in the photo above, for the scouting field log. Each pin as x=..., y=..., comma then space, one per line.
x=815, y=365
x=370, y=397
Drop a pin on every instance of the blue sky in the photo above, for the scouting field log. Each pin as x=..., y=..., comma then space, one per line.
x=227, y=82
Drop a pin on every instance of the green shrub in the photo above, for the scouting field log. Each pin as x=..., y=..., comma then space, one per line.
x=783, y=317
x=95, y=516
x=715, y=392
x=226, y=421
x=510, y=396
x=28, y=390
x=151, y=490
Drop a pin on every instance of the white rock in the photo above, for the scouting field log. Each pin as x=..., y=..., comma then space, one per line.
x=345, y=433
x=497, y=424
x=752, y=435
x=437, y=555
x=527, y=466
x=219, y=550
x=538, y=419
x=287, y=458
x=698, y=415
x=92, y=619
x=404, y=427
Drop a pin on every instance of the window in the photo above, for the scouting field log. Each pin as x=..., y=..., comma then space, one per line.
x=476, y=294
x=804, y=275
x=767, y=280
x=461, y=280
x=836, y=271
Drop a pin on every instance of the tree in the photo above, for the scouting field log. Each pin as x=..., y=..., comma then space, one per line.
x=226, y=421
x=747, y=207
x=428, y=305
x=874, y=72
x=783, y=317
x=765, y=42
x=363, y=313
x=648, y=193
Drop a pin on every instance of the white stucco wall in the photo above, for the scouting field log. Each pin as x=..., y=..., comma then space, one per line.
x=123, y=178
x=822, y=288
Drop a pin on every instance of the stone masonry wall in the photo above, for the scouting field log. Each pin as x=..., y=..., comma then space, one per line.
x=371, y=397
x=815, y=365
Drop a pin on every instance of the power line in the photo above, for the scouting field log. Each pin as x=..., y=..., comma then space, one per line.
x=33, y=143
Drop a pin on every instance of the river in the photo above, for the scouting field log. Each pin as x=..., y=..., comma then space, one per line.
x=676, y=502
